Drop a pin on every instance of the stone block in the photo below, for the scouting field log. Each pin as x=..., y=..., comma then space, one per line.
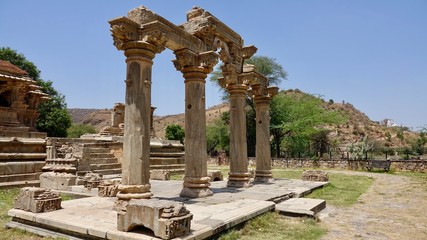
x=159, y=175
x=59, y=181
x=315, y=175
x=167, y=219
x=37, y=200
x=215, y=175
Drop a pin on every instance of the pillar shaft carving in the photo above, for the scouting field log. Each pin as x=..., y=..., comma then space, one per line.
x=239, y=175
x=139, y=48
x=195, y=68
x=262, y=99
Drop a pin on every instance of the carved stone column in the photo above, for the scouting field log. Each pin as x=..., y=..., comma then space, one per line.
x=262, y=101
x=263, y=151
x=239, y=175
x=140, y=46
x=195, y=68
x=136, y=141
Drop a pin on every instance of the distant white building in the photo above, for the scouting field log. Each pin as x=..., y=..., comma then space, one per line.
x=389, y=123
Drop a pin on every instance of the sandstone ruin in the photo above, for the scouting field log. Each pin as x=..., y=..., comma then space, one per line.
x=22, y=147
x=197, y=44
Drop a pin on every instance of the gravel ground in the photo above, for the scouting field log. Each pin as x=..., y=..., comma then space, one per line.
x=394, y=207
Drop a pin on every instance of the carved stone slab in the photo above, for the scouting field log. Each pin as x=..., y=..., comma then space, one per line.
x=167, y=219
x=37, y=200
x=315, y=175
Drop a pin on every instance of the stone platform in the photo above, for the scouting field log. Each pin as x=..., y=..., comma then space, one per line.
x=93, y=217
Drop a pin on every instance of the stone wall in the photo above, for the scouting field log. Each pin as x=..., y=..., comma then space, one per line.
x=396, y=165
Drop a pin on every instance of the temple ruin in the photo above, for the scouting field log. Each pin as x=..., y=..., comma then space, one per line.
x=119, y=209
x=197, y=44
x=22, y=147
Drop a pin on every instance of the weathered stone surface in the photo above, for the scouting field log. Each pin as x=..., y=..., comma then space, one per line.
x=167, y=219
x=108, y=188
x=91, y=180
x=315, y=175
x=215, y=175
x=59, y=181
x=159, y=175
x=37, y=200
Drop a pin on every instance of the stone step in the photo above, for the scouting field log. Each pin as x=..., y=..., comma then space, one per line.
x=22, y=156
x=101, y=155
x=108, y=171
x=167, y=167
x=19, y=177
x=70, y=161
x=20, y=184
x=99, y=150
x=8, y=168
x=103, y=160
x=166, y=161
x=105, y=166
x=167, y=154
x=301, y=207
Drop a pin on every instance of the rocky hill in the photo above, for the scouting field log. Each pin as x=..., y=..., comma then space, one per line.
x=354, y=130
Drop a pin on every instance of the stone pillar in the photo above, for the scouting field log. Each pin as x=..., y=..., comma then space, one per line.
x=136, y=142
x=195, y=68
x=239, y=175
x=263, y=151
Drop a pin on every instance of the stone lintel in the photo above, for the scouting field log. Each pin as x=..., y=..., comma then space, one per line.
x=142, y=22
x=198, y=20
x=167, y=219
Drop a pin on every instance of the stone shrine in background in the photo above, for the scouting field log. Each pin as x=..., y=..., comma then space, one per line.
x=22, y=147
x=19, y=99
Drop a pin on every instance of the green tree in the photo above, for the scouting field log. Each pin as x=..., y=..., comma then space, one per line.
x=267, y=66
x=175, y=132
x=419, y=145
x=270, y=68
x=77, y=130
x=320, y=142
x=218, y=134
x=54, y=118
x=296, y=117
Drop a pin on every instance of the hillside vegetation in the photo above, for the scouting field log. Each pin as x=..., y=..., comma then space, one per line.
x=357, y=128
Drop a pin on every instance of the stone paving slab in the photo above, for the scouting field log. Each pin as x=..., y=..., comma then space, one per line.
x=301, y=207
x=228, y=207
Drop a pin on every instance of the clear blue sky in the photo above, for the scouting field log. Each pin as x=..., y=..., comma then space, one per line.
x=370, y=53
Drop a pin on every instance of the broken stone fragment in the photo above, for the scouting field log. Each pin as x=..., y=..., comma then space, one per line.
x=167, y=219
x=315, y=175
x=37, y=200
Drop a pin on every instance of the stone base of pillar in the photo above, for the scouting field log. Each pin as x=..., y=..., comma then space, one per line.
x=239, y=180
x=196, y=187
x=129, y=192
x=263, y=176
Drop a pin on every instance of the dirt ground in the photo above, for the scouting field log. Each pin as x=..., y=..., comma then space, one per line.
x=394, y=207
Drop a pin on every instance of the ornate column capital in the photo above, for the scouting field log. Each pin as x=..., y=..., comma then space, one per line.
x=189, y=61
x=128, y=34
x=262, y=94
